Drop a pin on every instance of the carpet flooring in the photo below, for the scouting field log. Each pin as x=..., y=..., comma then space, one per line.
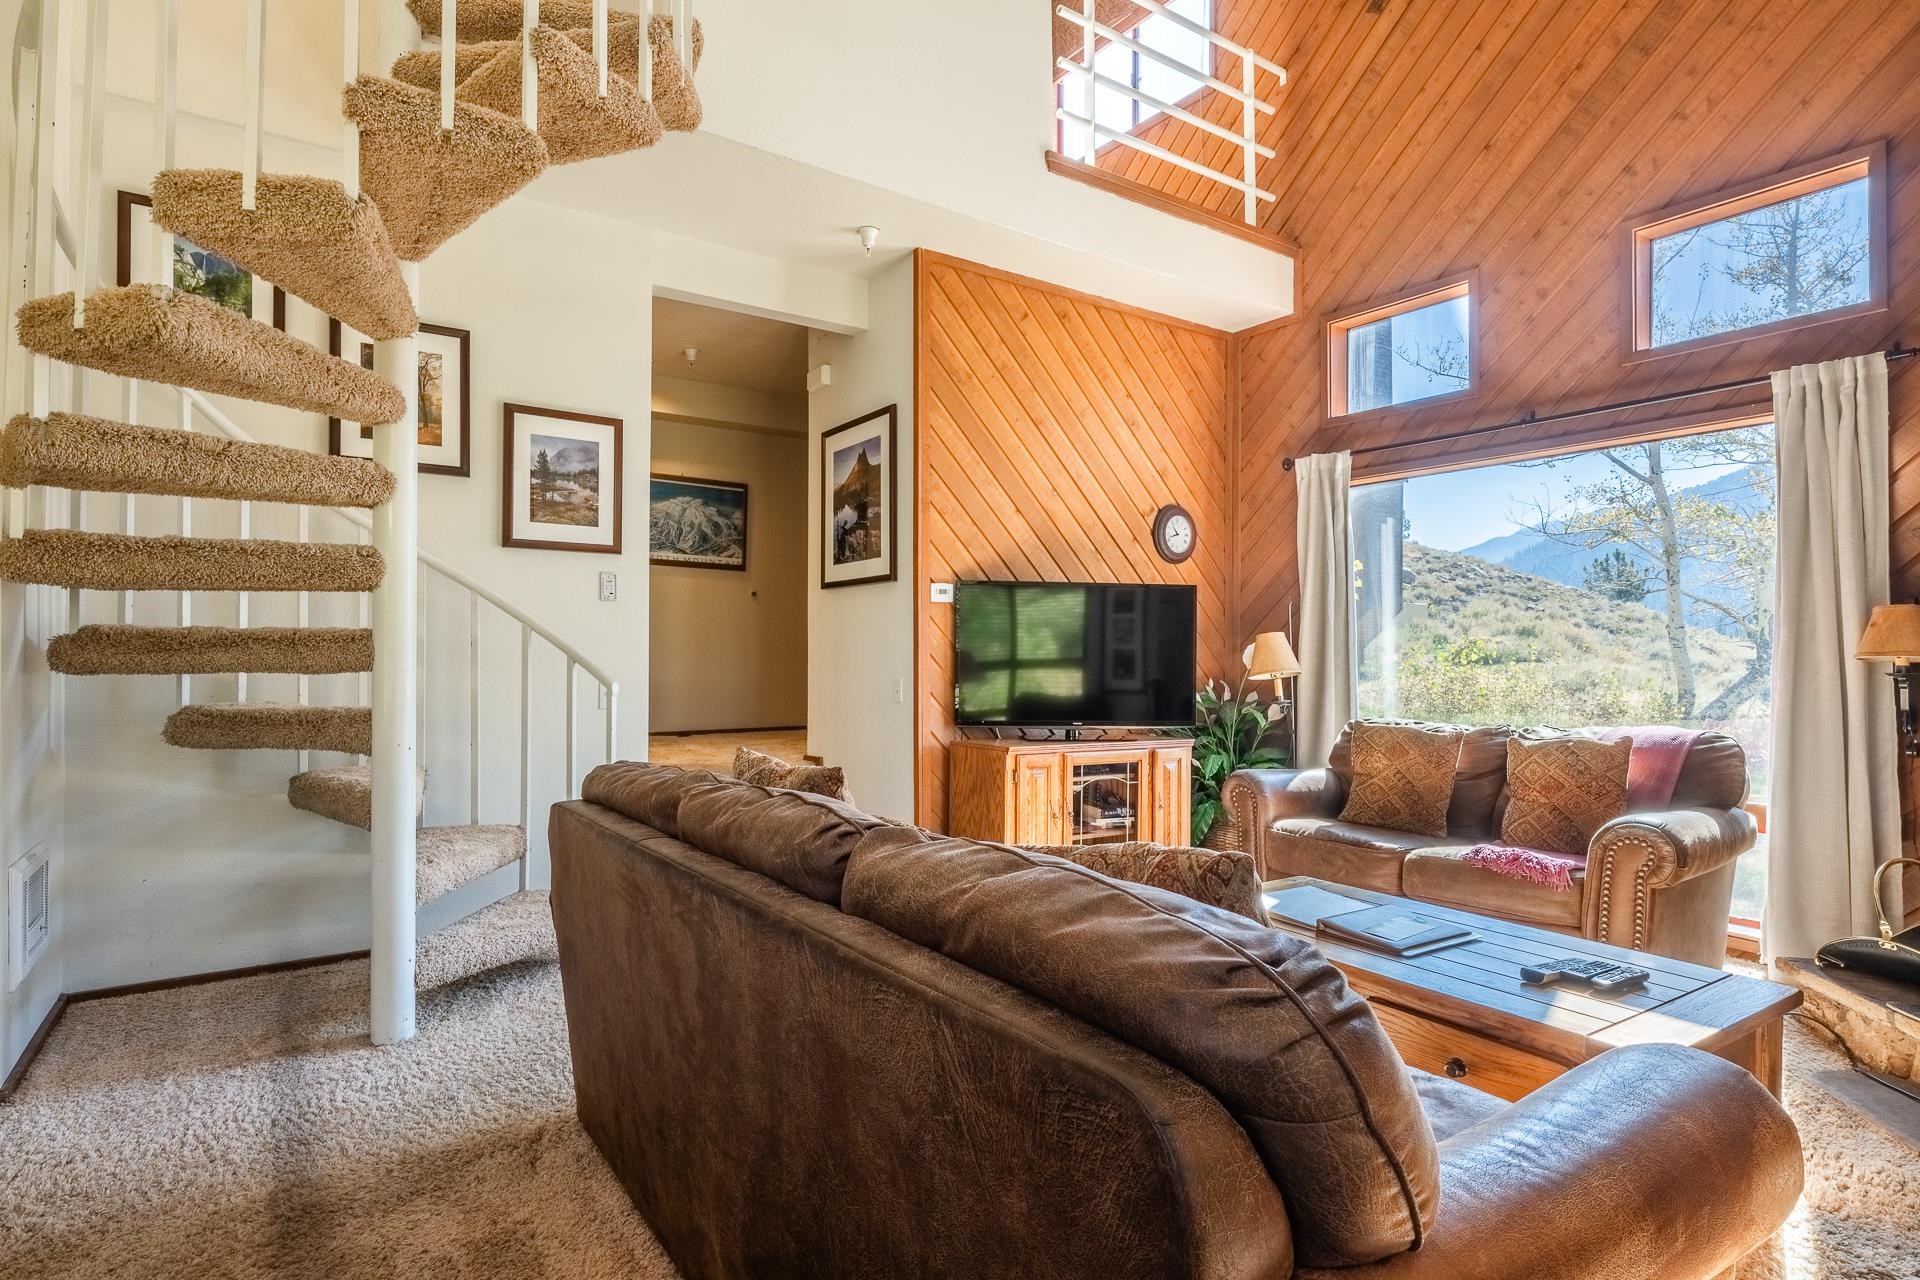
x=245, y=1129
x=715, y=750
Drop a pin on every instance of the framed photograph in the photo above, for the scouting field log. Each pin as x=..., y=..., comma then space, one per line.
x=857, y=473
x=446, y=401
x=562, y=480
x=194, y=269
x=700, y=523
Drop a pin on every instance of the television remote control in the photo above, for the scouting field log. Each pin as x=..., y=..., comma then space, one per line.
x=1601, y=975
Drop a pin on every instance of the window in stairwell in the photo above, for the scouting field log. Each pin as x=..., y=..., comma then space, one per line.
x=1621, y=586
x=1795, y=249
x=1119, y=68
x=1413, y=347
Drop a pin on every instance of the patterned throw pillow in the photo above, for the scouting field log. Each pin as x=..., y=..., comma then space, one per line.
x=1562, y=790
x=1220, y=878
x=763, y=770
x=1402, y=777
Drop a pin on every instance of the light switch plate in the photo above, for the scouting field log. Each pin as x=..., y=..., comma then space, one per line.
x=941, y=593
x=609, y=586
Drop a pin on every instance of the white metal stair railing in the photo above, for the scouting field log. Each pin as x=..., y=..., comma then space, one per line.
x=1091, y=83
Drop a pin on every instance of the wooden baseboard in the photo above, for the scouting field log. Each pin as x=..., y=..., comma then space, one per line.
x=218, y=975
x=702, y=733
x=32, y=1051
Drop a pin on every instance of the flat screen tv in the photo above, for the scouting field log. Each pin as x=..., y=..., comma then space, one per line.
x=1050, y=654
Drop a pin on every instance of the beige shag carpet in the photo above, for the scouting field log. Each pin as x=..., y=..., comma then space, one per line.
x=246, y=1129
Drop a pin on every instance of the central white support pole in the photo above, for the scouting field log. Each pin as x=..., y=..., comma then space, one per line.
x=166, y=48
x=396, y=535
x=646, y=50
x=529, y=73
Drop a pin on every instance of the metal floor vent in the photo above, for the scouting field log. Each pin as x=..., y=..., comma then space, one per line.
x=30, y=912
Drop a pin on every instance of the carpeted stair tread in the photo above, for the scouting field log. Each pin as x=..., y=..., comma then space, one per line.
x=303, y=234
x=103, y=649
x=70, y=451
x=270, y=726
x=344, y=794
x=676, y=102
x=159, y=334
x=515, y=930
x=123, y=562
x=446, y=858
x=576, y=123
x=431, y=185
x=501, y=19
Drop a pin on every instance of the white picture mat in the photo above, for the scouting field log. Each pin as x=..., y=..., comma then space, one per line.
x=875, y=437
x=357, y=442
x=527, y=425
x=140, y=261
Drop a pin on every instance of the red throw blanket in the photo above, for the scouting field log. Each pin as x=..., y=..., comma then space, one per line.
x=1653, y=771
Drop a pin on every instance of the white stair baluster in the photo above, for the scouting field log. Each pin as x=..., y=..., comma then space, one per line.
x=646, y=50
x=255, y=92
x=473, y=708
x=166, y=47
x=92, y=141
x=449, y=26
x=526, y=738
x=350, y=69
x=529, y=74
x=600, y=43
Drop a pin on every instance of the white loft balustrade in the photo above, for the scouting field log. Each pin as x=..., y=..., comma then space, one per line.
x=1086, y=88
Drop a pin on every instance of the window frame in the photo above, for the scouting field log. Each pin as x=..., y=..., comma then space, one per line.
x=1344, y=320
x=1638, y=234
x=1184, y=104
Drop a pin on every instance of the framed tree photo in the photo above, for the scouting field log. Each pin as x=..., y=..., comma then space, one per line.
x=858, y=509
x=700, y=524
x=446, y=400
x=195, y=270
x=561, y=480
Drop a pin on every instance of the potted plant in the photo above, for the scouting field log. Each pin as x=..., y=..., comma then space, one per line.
x=1230, y=732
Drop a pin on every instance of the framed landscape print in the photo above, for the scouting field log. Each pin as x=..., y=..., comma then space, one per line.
x=701, y=523
x=446, y=401
x=194, y=269
x=857, y=472
x=562, y=480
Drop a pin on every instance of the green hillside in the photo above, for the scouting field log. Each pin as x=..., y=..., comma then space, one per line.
x=1483, y=644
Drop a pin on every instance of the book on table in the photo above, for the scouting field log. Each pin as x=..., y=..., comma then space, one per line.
x=1395, y=930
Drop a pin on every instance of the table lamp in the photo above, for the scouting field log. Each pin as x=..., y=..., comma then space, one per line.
x=1893, y=635
x=1270, y=657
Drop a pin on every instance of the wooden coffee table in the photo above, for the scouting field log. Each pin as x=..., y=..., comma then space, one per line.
x=1464, y=1012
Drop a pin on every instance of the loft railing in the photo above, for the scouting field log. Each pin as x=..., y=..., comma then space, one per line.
x=1086, y=83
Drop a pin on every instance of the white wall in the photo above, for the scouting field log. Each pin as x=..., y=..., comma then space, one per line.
x=860, y=697
x=728, y=650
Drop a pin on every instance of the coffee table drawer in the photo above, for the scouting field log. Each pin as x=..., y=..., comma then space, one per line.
x=1487, y=1065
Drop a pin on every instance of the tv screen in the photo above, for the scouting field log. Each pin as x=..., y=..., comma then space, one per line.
x=1049, y=653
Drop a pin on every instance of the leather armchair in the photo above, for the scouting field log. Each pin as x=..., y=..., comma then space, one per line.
x=1548, y=1188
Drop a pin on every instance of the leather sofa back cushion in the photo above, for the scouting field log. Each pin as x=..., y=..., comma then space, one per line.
x=1479, y=775
x=801, y=840
x=1562, y=789
x=1714, y=775
x=649, y=793
x=1257, y=1016
x=1402, y=776
x=1224, y=878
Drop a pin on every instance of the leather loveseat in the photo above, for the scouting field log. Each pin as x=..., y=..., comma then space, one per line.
x=1654, y=881
x=814, y=1043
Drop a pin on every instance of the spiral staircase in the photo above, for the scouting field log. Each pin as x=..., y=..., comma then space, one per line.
x=452, y=133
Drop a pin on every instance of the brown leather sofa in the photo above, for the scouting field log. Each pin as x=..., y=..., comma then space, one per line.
x=812, y=1043
x=1660, y=882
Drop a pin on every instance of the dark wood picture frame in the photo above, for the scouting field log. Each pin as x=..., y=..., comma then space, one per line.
x=123, y=253
x=890, y=497
x=508, y=412
x=746, y=528
x=335, y=338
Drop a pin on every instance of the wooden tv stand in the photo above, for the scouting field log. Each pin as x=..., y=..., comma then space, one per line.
x=1064, y=792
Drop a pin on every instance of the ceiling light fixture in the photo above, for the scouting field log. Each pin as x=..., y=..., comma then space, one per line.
x=869, y=237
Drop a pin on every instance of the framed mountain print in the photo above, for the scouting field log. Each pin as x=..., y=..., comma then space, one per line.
x=446, y=410
x=562, y=479
x=195, y=270
x=858, y=505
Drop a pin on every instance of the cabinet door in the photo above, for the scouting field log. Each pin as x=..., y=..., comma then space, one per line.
x=1037, y=784
x=1171, y=799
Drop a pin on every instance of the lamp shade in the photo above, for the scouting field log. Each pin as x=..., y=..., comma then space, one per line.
x=1892, y=634
x=1271, y=657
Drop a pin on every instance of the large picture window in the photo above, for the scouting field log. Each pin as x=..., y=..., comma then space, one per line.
x=1621, y=586
x=1798, y=248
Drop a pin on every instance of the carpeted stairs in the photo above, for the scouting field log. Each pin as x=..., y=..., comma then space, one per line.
x=420, y=186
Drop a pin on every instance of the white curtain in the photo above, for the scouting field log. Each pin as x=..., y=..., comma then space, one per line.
x=1324, y=696
x=1835, y=805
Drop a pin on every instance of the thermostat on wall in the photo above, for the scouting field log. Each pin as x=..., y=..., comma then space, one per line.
x=941, y=593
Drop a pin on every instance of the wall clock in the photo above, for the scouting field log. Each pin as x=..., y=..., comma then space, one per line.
x=1173, y=535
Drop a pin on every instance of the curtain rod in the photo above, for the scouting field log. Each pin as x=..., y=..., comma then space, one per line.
x=1893, y=353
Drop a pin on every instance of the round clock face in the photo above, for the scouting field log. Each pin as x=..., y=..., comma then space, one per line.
x=1173, y=534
